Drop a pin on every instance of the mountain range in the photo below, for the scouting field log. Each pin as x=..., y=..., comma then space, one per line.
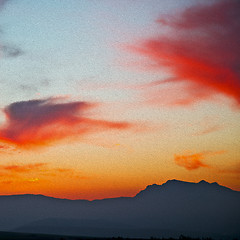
x=195, y=209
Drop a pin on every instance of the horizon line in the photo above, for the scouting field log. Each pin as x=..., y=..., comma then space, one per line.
x=108, y=198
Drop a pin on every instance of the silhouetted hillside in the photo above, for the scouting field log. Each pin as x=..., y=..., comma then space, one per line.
x=168, y=210
x=33, y=236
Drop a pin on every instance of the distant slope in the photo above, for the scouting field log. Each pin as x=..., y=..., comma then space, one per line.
x=33, y=236
x=175, y=207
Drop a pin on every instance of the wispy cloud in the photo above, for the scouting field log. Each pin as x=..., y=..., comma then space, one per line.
x=208, y=129
x=207, y=125
x=35, y=172
x=22, y=168
x=41, y=122
x=9, y=51
x=233, y=170
x=34, y=87
x=7, y=149
x=201, y=49
x=195, y=160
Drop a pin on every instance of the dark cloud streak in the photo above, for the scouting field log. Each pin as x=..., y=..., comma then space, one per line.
x=9, y=51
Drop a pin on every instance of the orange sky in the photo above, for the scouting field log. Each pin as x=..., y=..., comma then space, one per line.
x=106, y=98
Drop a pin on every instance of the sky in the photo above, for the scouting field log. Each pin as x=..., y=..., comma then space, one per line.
x=101, y=98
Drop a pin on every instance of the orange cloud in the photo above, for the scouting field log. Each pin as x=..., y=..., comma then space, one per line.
x=193, y=161
x=4, y=148
x=201, y=49
x=22, y=168
x=234, y=169
x=190, y=162
x=7, y=149
x=35, y=173
x=41, y=122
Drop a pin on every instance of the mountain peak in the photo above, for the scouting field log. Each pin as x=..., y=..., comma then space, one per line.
x=173, y=184
x=203, y=182
x=174, y=181
x=153, y=186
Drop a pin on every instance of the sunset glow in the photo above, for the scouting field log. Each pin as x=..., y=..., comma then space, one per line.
x=101, y=98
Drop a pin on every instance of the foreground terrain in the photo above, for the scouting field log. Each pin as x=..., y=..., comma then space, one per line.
x=31, y=236
x=162, y=211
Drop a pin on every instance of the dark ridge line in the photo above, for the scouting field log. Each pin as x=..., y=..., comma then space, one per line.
x=152, y=186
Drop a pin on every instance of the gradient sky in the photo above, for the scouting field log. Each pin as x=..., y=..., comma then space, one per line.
x=101, y=98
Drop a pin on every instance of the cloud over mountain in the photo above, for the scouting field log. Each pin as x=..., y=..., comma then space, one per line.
x=195, y=160
x=191, y=161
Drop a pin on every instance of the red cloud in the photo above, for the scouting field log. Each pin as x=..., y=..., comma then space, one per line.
x=40, y=122
x=201, y=49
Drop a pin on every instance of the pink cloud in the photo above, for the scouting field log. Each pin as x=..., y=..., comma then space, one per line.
x=208, y=130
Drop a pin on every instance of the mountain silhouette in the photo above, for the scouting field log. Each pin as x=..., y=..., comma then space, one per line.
x=197, y=209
